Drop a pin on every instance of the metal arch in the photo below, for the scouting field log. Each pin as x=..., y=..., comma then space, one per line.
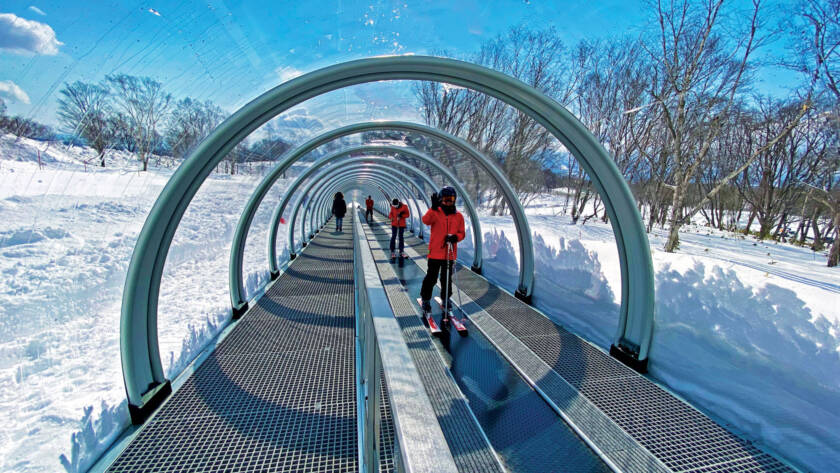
x=145, y=383
x=381, y=187
x=523, y=231
x=235, y=280
x=405, y=179
x=391, y=172
x=384, y=187
x=428, y=182
x=354, y=177
x=408, y=167
x=406, y=194
x=321, y=201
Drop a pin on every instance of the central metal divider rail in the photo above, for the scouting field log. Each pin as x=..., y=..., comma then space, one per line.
x=278, y=392
x=634, y=424
x=470, y=448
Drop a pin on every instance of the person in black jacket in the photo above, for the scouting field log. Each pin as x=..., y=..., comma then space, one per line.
x=339, y=208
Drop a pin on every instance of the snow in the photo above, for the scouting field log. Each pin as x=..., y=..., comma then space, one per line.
x=66, y=237
x=748, y=331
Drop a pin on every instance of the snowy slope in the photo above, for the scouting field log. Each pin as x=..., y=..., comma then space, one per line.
x=66, y=237
x=748, y=331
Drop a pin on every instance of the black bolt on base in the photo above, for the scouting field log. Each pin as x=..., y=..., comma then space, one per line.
x=629, y=358
x=522, y=296
x=152, y=399
x=238, y=312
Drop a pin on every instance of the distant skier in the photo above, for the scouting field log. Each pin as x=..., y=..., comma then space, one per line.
x=339, y=208
x=447, y=226
x=399, y=212
x=368, y=209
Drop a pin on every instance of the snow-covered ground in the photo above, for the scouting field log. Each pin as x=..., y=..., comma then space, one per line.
x=749, y=331
x=67, y=232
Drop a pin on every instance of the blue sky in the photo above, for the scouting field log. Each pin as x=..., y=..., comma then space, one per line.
x=231, y=52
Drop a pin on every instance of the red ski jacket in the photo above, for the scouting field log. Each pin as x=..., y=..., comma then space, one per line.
x=369, y=203
x=443, y=225
x=398, y=215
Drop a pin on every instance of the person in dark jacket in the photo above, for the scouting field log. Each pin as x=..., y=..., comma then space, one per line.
x=447, y=227
x=368, y=209
x=339, y=208
x=399, y=212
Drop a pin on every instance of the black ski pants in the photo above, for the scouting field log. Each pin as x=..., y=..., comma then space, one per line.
x=435, y=267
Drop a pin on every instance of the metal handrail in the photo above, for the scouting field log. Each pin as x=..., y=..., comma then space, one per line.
x=380, y=344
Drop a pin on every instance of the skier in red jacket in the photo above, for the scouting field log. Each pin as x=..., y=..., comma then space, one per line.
x=447, y=226
x=399, y=212
x=368, y=209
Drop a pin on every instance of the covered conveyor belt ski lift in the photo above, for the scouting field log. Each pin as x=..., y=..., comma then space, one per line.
x=145, y=383
x=380, y=162
x=399, y=178
x=236, y=283
x=323, y=181
x=383, y=179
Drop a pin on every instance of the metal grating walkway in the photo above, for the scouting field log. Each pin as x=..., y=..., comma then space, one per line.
x=618, y=409
x=279, y=392
x=469, y=446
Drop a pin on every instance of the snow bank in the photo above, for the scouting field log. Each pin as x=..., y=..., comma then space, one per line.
x=747, y=331
x=67, y=232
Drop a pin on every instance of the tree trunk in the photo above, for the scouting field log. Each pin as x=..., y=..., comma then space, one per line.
x=815, y=223
x=764, y=224
x=675, y=221
x=749, y=222
x=834, y=253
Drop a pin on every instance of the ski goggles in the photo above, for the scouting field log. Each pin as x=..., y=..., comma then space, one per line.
x=448, y=199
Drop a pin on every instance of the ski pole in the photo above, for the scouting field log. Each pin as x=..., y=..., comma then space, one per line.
x=455, y=280
x=448, y=281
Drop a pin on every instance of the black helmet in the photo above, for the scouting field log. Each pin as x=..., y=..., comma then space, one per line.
x=448, y=191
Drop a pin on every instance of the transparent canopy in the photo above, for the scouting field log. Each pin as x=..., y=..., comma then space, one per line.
x=101, y=102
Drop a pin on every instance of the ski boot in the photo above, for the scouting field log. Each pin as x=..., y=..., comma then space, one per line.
x=427, y=316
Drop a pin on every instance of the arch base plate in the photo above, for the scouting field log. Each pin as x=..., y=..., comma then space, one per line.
x=522, y=295
x=238, y=312
x=152, y=399
x=629, y=358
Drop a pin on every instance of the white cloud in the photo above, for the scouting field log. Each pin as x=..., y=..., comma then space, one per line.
x=37, y=10
x=10, y=90
x=287, y=72
x=23, y=36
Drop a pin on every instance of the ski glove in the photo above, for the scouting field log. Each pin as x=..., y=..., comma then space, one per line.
x=435, y=201
x=452, y=239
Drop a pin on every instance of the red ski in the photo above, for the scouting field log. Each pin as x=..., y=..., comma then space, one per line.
x=456, y=322
x=433, y=326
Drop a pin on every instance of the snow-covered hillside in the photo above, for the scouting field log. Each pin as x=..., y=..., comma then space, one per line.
x=67, y=232
x=749, y=331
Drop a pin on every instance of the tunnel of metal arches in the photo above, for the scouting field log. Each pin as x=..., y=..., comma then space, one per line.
x=373, y=170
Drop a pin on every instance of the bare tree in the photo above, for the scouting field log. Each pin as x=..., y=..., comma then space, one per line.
x=520, y=145
x=83, y=110
x=190, y=122
x=144, y=104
